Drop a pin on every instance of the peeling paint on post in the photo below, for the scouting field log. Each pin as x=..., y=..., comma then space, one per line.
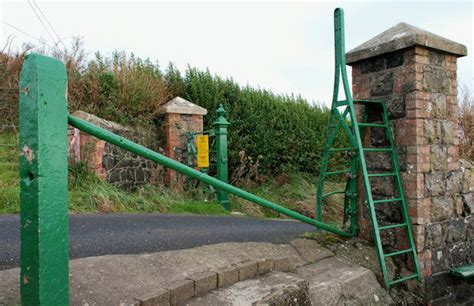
x=43, y=182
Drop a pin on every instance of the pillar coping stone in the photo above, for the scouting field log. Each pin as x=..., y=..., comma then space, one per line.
x=179, y=105
x=106, y=124
x=402, y=36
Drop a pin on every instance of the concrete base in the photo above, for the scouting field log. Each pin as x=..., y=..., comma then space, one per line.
x=276, y=288
x=174, y=277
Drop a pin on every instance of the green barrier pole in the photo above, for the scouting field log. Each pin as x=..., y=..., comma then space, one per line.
x=220, y=129
x=179, y=167
x=44, y=276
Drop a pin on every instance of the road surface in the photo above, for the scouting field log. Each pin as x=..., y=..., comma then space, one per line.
x=92, y=235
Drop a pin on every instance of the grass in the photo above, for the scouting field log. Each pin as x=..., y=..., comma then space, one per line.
x=295, y=191
x=9, y=184
x=89, y=194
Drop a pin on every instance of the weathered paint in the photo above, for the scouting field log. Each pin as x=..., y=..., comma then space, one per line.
x=220, y=130
x=43, y=182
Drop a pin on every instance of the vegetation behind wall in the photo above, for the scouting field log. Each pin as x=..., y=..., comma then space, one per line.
x=270, y=133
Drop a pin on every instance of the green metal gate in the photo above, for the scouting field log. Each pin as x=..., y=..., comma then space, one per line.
x=44, y=173
x=345, y=119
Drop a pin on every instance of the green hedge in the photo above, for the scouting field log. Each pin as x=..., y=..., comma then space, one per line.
x=284, y=132
x=280, y=132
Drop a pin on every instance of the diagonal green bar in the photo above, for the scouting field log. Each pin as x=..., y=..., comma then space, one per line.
x=174, y=165
x=43, y=182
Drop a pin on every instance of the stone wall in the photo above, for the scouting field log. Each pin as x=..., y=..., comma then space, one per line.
x=418, y=82
x=129, y=171
x=119, y=167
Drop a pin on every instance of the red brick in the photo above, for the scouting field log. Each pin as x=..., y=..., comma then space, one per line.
x=414, y=185
x=453, y=166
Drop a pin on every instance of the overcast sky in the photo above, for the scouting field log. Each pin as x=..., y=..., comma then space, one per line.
x=283, y=46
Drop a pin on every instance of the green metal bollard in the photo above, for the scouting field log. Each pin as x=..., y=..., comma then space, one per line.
x=220, y=129
x=44, y=254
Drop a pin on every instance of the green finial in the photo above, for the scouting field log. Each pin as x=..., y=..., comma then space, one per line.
x=221, y=120
x=221, y=110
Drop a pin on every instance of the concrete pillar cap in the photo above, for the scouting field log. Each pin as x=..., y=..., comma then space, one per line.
x=179, y=105
x=402, y=36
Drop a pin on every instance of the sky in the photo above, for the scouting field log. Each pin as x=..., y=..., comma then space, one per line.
x=286, y=47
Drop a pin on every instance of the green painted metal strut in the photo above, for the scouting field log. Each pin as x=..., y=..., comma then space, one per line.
x=338, y=122
x=343, y=118
x=174, y=165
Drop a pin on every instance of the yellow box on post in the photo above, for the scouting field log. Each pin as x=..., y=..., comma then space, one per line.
x=202, y=142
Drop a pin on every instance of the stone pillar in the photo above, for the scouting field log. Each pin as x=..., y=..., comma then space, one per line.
x=179, y=116
x=414, y=71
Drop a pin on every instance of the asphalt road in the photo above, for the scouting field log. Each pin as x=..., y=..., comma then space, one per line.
x=92, y=235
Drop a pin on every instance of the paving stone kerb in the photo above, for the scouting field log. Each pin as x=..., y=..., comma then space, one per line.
x=173, y=277
x=414, y=71
x=276, y=288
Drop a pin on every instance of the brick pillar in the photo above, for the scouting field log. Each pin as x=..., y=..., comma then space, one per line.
x=414, y=71
x=86, y=148
x=179, y=116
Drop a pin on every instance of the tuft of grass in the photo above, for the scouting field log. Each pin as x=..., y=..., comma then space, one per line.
x=295, y=191
x=198, y=207
x=9, y=177
x=324, y=238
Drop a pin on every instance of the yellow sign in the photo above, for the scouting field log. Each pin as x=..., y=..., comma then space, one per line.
x=202, y=151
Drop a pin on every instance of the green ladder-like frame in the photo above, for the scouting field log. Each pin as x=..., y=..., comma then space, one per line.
x=343, y=117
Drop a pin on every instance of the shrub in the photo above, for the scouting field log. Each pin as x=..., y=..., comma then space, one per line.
x=275, y=133
x=282, y=132
x=466, y=123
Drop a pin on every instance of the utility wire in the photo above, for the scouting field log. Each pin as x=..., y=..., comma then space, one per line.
x=44, y=26
x=31, y=36
x=21, y=31
x=50, y=25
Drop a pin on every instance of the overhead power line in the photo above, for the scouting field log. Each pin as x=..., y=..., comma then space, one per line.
x=21, y=31
x=42, y=22
x=49, y=24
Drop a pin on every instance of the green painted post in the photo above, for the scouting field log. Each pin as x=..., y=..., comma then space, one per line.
x=220, y=129
x=44, y=277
